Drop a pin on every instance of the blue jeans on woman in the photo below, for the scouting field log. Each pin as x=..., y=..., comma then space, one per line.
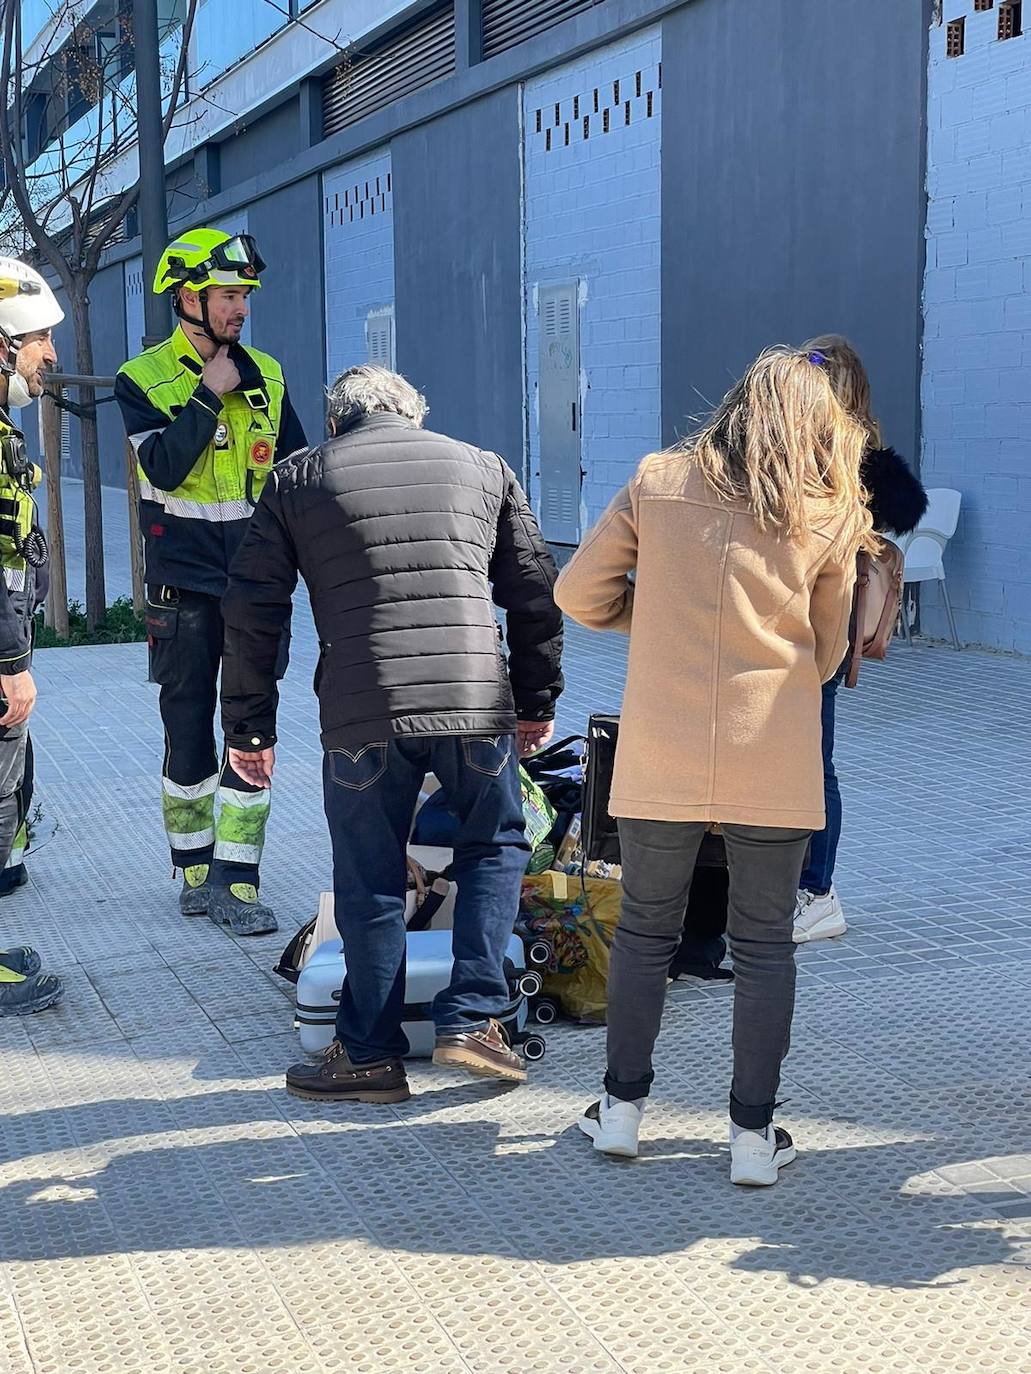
x=370, y=795
x=818, y=877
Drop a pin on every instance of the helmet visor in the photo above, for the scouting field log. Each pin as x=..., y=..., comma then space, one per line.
x=239, y=254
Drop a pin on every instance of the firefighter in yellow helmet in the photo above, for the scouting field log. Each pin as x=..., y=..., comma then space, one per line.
x=207, y=418
x=28, y=313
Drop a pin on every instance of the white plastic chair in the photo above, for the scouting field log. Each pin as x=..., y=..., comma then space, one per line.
x=924, y=548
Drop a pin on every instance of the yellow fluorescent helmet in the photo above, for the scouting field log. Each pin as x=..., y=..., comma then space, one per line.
x=200, y=258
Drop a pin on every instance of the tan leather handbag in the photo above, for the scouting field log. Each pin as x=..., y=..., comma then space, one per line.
x=877, y=605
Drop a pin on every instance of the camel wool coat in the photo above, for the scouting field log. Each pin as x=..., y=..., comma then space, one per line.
x=732, y=633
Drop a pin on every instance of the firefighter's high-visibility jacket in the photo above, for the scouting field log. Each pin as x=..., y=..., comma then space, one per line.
x=24, y=586
x=203, y=459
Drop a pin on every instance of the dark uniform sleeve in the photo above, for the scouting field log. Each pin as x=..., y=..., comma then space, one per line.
x=291, y=433
x=523, y=574
x=15, y=636
x=167, y=449
x=256, y=610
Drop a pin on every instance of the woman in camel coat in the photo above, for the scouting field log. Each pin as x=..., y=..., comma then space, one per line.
x=742, y=544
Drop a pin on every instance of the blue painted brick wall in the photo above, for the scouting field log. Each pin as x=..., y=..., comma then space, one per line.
x=593, y=214
x=977, y=306
x=358, y=231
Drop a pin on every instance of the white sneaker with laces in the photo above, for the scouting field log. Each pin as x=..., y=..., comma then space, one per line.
x=818, y=918
x=757, y=1157
x=613, y=1125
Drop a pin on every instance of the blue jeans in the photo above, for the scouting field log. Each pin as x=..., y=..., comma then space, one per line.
x=370, y=795
x=818, y=876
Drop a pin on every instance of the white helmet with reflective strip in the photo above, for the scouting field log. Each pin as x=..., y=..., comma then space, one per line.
x=27, y=303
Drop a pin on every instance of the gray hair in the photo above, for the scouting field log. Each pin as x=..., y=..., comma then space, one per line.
x=371, y=390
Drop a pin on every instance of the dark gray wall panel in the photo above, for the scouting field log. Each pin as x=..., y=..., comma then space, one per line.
x=792, y=193
x=457, y=271
x=265, y=143
x=287, y=311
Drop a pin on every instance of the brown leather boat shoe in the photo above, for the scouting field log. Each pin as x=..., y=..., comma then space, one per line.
x=485, y=1053
x=336, y=1079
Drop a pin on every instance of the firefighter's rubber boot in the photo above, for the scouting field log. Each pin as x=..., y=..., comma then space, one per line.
x=195, y=897
x=12, y=878
x=237, y=907
x=21, y=996
x=21, y=959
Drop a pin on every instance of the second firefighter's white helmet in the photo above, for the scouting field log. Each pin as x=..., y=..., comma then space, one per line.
x=27, y=303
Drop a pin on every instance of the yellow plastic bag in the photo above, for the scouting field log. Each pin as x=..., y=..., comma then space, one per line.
x=577, y=919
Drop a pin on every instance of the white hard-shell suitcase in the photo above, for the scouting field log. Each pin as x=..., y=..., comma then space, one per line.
x=430, y=963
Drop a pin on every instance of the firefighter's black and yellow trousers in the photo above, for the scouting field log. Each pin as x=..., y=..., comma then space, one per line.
x=212, y=816
x=15, y=791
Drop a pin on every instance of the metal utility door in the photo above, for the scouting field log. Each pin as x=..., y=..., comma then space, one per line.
x=559, y=408
x=379, y=336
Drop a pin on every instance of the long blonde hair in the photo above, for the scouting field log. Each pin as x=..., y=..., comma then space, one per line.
x=783, y=443
x=847, y=374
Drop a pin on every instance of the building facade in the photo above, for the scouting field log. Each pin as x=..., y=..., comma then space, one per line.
x=977, y=342
x=570, y=222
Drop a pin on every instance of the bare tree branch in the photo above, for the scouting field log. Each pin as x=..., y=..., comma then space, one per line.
x=11, y=142
x=302, y=23
x=129, y=197
x=181, y=65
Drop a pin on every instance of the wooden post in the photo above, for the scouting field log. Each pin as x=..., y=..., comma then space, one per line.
x=132, y=484
x=57, y=599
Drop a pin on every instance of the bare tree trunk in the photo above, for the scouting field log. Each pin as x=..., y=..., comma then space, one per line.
x=96, y=591
x=139, y=595
x=57, y=598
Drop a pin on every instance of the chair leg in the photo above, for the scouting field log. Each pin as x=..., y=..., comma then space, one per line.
x=952, y=619
x=907, y=632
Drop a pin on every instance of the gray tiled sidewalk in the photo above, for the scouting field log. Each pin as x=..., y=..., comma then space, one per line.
x=164, y=1206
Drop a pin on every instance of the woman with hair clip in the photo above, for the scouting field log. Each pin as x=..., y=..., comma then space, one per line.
x=742, y=543
x=897, y=501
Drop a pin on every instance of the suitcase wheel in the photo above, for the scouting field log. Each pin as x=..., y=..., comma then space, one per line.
x=529, y=984
x=533, y=1047
x=545, y=1012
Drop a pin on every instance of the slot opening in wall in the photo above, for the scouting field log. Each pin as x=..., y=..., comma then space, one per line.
x=954, y=36
x=1010, y=25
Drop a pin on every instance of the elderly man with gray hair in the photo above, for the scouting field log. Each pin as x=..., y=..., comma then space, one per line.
x=406, y=540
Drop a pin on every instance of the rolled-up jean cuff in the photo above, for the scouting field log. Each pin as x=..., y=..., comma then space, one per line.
x=750, y=1118
x=629, y=1092
x=471, y=1027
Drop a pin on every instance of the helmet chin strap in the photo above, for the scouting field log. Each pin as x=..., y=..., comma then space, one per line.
x=204, y=323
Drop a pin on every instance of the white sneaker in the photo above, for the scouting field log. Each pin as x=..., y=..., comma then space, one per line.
x=613, y=1125
x=818, y=918
x=757, y=1157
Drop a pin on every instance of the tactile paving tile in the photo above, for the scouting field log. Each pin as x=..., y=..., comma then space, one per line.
x=165, y=1207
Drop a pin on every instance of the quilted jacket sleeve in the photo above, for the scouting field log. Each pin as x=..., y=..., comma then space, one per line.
x=256, y=611
x=523, y=574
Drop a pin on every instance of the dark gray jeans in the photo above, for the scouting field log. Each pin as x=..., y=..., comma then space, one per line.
x=658, y=864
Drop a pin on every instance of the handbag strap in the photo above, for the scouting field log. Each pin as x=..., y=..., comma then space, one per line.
x=418, y=876
x=858, y=617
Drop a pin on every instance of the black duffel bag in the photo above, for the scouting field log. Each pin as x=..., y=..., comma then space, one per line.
x=702, y=947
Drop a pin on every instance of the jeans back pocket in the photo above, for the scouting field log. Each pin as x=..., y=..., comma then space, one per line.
x=487, y=754
x=358, y=769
